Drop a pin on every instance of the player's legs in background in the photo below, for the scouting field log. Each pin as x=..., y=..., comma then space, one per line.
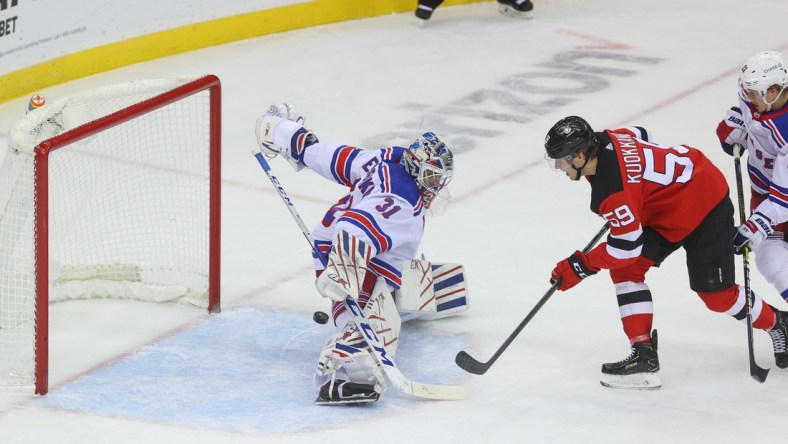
x=771, y=259
x=711, y=265
x=426, y=8
x=516, y=8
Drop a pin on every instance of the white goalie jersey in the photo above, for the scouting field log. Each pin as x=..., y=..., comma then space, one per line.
x=383, y=206
x=384, y=209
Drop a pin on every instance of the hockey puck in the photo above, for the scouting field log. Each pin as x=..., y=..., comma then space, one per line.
x=320, y=317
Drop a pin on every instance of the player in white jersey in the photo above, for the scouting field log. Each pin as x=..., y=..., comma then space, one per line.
x=390, y=190
x=760, y=124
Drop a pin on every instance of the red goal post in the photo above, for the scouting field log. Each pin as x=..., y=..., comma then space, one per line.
x=112, y=192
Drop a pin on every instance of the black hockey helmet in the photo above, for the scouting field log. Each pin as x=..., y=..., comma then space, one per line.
x=569, y=135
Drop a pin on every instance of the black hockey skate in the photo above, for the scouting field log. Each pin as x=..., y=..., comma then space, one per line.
x=426, y=8
x=638, y=371
x=345, y=392
x=516, y=8
x=424, y=14
x=779, y=334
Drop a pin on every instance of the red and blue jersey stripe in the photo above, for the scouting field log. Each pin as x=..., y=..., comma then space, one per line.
x=363, y=220
x=758, y=180
x=341, y=163
x=297, y=144
x=778, y=195
x=778, y=139
x=385, y=178
x=390, y=273
x=392, y=153
x=324, y=247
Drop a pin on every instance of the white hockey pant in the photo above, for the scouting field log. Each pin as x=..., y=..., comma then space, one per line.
x=771, y=258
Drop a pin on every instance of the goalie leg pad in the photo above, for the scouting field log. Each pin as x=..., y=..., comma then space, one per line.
x=432, y=291
x=347, y=356
x=346, y=267
x=381, y=311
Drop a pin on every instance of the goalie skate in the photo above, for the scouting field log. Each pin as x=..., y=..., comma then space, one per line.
x=638, y=371
x=345, y=392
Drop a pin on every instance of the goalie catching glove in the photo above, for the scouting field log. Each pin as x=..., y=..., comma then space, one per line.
x=280, y=130
x=570, y=271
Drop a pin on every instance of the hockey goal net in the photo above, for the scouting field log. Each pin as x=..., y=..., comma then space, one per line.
x=112, y=192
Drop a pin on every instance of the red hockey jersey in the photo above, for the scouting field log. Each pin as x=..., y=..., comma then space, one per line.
x=641, y=184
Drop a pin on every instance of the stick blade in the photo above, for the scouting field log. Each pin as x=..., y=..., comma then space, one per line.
x=438, y=392
x=470, y=364
x=759, y=374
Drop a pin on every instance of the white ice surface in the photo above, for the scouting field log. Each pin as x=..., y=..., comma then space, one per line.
x=126, y=372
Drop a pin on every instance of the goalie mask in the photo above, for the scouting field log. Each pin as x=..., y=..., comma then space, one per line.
x=761, y=72
x=431, y=163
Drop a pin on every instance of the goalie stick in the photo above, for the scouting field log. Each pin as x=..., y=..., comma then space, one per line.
x=759, y=374
x=472, y=365
x=418, y=389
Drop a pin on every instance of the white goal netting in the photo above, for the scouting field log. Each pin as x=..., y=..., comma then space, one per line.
x=128, y=212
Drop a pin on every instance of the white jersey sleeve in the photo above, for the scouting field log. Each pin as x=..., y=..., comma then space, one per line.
x=341, y=163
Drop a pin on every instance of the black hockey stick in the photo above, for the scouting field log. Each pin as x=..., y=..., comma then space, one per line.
x=759, y=374
x=471, y=365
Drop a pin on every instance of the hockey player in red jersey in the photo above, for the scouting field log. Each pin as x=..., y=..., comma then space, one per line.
x=655, y=200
